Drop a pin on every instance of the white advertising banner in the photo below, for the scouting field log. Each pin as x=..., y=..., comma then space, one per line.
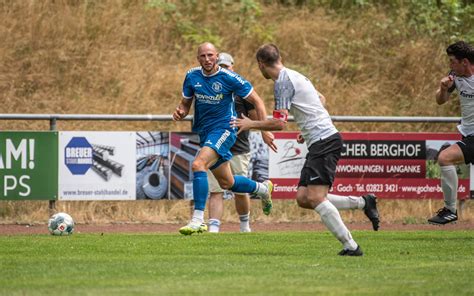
x=97, y=165
x=290, y=158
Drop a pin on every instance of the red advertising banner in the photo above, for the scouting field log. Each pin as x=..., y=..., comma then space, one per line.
x=391, y=165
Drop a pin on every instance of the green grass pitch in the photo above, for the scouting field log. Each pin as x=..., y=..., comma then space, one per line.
x=270, y=263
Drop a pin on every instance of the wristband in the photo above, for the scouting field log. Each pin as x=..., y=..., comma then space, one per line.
x=280, y=115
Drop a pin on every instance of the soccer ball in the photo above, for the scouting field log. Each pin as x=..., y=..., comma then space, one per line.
x=61, y=224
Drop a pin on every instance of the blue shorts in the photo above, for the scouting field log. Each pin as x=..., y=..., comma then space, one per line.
x=220, y=140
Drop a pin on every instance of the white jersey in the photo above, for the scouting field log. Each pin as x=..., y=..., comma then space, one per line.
x=294, y=92
x=465, y=87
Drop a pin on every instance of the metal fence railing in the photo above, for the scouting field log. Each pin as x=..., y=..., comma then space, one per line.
x=53, y=118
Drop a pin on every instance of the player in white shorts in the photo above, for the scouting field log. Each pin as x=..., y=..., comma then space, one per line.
x=294, y=93
x=461, y=78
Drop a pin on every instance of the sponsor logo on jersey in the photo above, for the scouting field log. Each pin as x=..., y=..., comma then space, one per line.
x=466, y=94
x=209, y=99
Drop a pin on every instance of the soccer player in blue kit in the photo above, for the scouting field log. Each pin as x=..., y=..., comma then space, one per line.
x=212, y=89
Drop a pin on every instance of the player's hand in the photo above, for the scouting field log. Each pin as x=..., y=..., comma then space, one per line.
x=447, y=82
x=243, y=124
x=300, y=139
x=179, y=114
x=268, y=138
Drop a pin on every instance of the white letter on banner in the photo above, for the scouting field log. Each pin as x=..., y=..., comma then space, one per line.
x=24, y=185
x=6, y=187
x=21, y=151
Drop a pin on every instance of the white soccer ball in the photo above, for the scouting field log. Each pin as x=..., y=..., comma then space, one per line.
x=61, y=224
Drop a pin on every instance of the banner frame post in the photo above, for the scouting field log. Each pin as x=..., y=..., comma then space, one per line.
x=52, y=127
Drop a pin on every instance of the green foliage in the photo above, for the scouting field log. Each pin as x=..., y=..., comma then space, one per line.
x=433, y=170
x=198, y=21
x=194, y=35
x=287, y=263
x=448, y=20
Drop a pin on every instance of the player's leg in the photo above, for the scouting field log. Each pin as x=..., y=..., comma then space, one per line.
x=239, y=165
x=349, y=202
x=204, y=159
x=314, y=197
x=242, y=206
x=241, y=184
x=367, y=202
x=317, y=176
x=216, y=203
x=221, y=141
x=447, y=159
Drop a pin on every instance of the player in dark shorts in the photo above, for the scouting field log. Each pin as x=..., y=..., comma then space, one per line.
x=461, y=78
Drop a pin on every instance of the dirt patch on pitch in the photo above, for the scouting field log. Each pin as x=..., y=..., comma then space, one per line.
x=17, y=229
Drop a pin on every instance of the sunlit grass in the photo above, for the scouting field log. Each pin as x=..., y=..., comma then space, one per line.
x=255, y=264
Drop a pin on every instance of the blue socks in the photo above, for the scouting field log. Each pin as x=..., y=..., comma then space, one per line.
x=200, y=190
x=243, y=185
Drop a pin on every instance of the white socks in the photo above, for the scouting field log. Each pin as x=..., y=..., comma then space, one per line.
x=331, y=218
x=198, y=215
x=261, y=189
x=245, y=222
x=449, y=184
x=214, y=225
x=346, y=202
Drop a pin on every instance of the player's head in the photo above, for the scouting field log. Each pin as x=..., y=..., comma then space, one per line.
x=225, y=60
x=461, y=57
x=268, y=56
x=207, y=57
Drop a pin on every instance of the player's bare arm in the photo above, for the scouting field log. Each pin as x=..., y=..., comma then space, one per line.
x=268, y=137
x=182, y=110
x=257, y=102
x=274, y=124
x=262, y=123
x=442, y=94
x=261, y=114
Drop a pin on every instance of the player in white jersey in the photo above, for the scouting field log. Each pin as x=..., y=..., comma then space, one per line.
x=296, y=94
x=461, y=77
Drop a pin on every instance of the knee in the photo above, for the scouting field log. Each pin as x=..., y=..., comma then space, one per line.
x=199, y=165
x=443, y=159
x=226, y=184
x=300, y=202
x=303, y=201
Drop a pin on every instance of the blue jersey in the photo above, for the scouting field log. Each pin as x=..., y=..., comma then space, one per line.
x=214, y=97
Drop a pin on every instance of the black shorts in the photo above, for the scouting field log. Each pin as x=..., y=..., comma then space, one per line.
x=467, y=148
x=321, y=161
